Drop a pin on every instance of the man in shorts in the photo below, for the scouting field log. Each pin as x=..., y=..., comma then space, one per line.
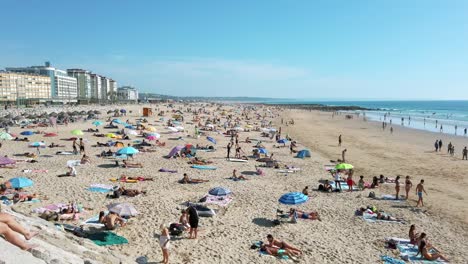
x=419, y=191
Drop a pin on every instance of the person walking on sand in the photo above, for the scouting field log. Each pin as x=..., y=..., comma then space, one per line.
x=408, y=186
x=397, y=187
x=465, y=154
x=228, y=150
x=75, y=149
x=339, y=141
x=193, y=222
x=440, y=144
x=419, y=191
x=449, y=147
x=391, y=130
x=349, y=180
x=82, y=149
x=436, y=145
x=343, y=154
x=164, y=239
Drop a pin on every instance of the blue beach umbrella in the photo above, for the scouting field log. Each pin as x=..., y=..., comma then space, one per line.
x=20, y=182
x=219, y=191
x=117, y=121
x=212, y=140
x=37, y=144
x=262, y=151
x=293, y=198
x=97, y=123
x=282, y=141
x=127, y=151
x=130, y=127
x=27, y=133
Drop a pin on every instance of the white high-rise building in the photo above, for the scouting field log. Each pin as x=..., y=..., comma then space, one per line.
x=64, y=88
x=127, y=93
x=84, y=82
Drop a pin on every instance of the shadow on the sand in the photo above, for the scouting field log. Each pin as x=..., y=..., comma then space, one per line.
x=250, y=173
x=262, y=221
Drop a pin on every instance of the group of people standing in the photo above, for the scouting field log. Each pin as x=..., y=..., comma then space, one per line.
x=450, y=149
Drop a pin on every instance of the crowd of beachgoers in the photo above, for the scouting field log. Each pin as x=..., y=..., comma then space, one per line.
x=150, y=184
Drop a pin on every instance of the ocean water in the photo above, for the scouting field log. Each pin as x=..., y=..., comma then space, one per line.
x=424, y=115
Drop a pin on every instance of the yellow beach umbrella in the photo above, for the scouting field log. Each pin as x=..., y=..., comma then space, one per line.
x=77, y=132
x=151, y=129
x=110, y=135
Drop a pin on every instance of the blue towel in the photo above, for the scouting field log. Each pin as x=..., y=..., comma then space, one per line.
x=409, y=252
x=99, y=190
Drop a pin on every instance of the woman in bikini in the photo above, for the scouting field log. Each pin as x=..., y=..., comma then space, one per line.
x=413, y=236
x=408, y=186
x=397, y=187
x=272, y=242
x=424, y=251
x=304, y=215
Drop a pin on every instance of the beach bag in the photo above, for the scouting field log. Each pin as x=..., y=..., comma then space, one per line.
x=371, y=195
x=175, y=229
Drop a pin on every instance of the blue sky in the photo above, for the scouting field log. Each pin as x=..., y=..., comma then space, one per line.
x=286, y=49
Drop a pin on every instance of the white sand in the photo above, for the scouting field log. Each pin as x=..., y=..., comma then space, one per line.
x=226, y=238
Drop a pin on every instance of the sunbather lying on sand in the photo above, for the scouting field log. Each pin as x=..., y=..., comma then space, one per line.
x=130, y=192
x=423, y=250
x=303, y=215
x=127, y=164
x=21, y=139
x=198, y=161
x=53, y=145
x=235, y=177
x=8, y=229
x=386, y=217
x=277, y=252
x=111, y=221
x=23, y=197
x=186, y=179
x=272, y=242
x=139, y=178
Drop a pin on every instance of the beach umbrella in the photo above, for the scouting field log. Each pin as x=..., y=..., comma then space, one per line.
x=6, y=161
x=123, y=111
x=117, y=121
x=219, y=191
x=97, y=123
x=344, y=166
x=293, y=198
x=20, y=182
x=50, y=135
x=127, y=151
x=5, y=136
x=132, y=132
x=27, y=133
x=130, y=127
x=153, y=136
x=212, y=140
x=110, y=135
x=77, y=132
x=122, y=209
x=37, y=144
x=151, y=128
x=262, y=151
x=282, y=141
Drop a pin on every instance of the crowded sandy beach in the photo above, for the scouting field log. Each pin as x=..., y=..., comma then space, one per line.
x=225, y=183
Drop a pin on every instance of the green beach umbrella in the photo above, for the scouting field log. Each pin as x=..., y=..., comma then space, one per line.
x=77, y=132
x=344, y=166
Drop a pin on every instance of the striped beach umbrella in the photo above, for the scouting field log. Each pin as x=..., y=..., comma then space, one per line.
x=293, y=198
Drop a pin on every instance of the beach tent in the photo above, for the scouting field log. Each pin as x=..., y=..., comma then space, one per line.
x=174, y=151
x=305, y=153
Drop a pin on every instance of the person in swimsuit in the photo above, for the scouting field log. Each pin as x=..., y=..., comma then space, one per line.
x=238, y=178
x=164, y=239
x=8, y=229
x=408, y=186
x=361, y=183
x=193, y=222
x=277, y=252
x=424, y=251
x=419, y=191
x=187, y=179
x=111, y=220
x=272, y=242
x=413, y=236
x=386, y=217
x=303, y=215
x=349, y=180
x=184, y=219
x=338, y=179
x=397, y=187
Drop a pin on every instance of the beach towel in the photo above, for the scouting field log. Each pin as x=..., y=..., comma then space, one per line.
x=344, y=186
x=372, y=218
x=107, y=239
x=221, y=201
x=35, y=171
x=93, y=221
x=408, y=252
x=389, y=260
x=50, y=207
x=391, y=198
x=98, y=190
x=167, y=170
x=203, y=167
x=64, y=153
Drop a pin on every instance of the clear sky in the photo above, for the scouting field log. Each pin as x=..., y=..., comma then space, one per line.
x=333, y=49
